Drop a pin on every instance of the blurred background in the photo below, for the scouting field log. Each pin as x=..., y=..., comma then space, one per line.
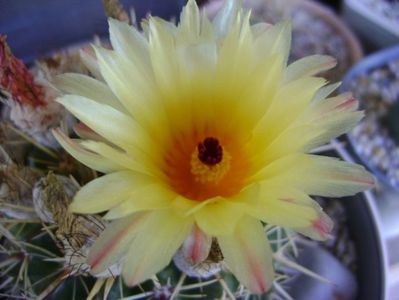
x=363, y=35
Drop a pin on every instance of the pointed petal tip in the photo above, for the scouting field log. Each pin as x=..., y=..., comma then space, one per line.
x=131, y=281
x=72, y=208
x=350, y=102
x=111, y=215
x=284, y=25
x=87, y=52
x=249, y=256
x=197, y=245
x=330, y=61
x=76, y=208
x=154, y=246
x=114, y=242
x=323, y=226
x=65, y=100
x=55, y=131
x=61, y=137
x=319, y=229
x=115, y=23
x=364, y=178
x=60, y=100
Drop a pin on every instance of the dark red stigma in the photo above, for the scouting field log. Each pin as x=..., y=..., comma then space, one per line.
x=210, y=152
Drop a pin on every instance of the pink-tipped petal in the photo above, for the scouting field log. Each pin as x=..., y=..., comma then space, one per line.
x=319, y=176
x=114, y=242
x=290, y=208
x=197, y=246
x=248, y=255
x=335, y=116
x=331, y=106
x=154, y=245
x=89, y=59
x=336, y=178
x=86, y=157
x=85, y=132
x=348, y=104
x=320, y=228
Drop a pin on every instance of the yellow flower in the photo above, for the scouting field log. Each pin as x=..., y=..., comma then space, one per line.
x=204, y=134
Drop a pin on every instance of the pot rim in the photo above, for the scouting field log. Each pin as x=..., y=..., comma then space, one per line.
x=376, y=221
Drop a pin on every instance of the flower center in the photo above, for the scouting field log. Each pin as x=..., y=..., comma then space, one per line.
x=203, y=165
x=209, y=162
x=210, y=152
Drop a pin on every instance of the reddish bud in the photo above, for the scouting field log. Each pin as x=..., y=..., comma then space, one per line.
x=16, y=79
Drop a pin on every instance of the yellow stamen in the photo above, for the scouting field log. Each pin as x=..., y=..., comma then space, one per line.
x=205, y=173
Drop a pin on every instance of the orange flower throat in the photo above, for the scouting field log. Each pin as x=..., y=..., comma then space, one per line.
x=200, y=167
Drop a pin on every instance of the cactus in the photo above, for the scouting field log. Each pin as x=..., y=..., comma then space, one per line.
x=43, y=253
x=44, y=246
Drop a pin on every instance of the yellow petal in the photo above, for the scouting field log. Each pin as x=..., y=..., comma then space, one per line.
x=88, y=158
x=309, y=66
x=318, y=175
x=287, y=207
x=295, y=95
x=282, y=206
x=107, y=191
x=197, y=246
x=319, y=229
x=218, y=217
x=341, y=103
x=154, y=245
x=118, y=157
x=259, y=90
x=236, y=56
x=133, y=90
x=130, y=44
x=225, y=17
x=276, y=39
x=86, y=132
x=206, y=33
x=292, y=140
x=189, y=27
x=248, y=255
x=163, y=54
x=325, y=91
x=282, y=212
x=113, y=242
x=332, y=116
x=87, y=87
x=279, y=167
x=331, y=177
x=150, y=197
x=197, y=60
x=259, y=28
x=115, y=126
x=90, y=62
x=335, y=123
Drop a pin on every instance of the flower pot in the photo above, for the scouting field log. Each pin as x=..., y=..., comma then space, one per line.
x=376, y=22
x=374, y=141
